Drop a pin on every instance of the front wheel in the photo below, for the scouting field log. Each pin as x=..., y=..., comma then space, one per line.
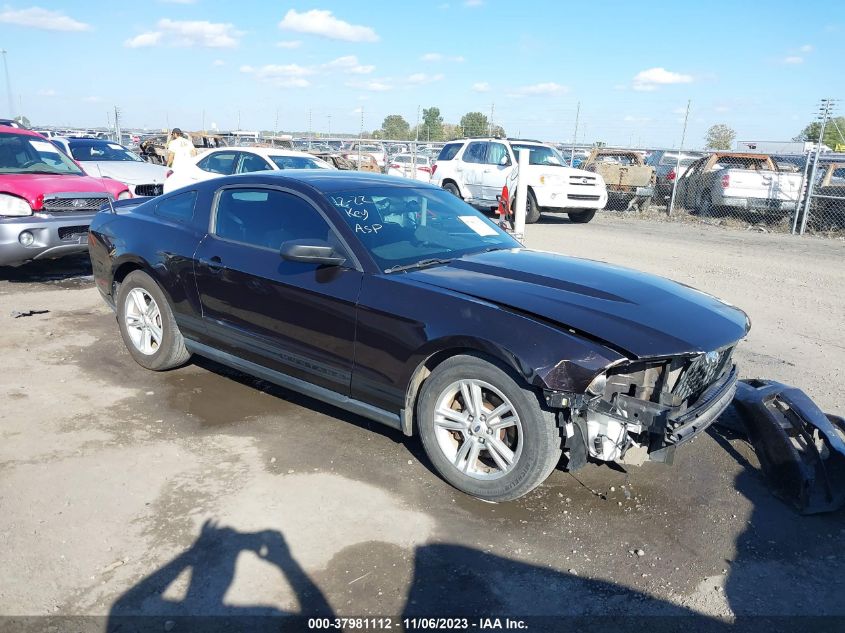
x=483, y=432
x=582, y=217
x=452, y=188
x=147, y=325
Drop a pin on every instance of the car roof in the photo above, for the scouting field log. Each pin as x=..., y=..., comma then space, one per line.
x=19, y=130
x=262, y=151
x=323, y=180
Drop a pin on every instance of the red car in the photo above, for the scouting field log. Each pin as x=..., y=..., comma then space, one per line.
x=46, y=200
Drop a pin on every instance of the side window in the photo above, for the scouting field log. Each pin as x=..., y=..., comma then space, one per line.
x=252, y=162
x=838, y=176
x=219, y=163
x=266, y=218
x=694, y=168
x=495, y=153
x=449, y=151
x=179, y=207
x=475, y=152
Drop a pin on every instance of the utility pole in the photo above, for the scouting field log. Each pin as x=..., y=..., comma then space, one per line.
x=117, y=124
x=276, y=124
x=678, y=165
x=492, y=111
x=8, y=86
x=825, y=108
x=239, y=120
x=575, y=134
x=416, y=144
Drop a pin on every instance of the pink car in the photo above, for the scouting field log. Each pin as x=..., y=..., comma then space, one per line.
x=46, y=200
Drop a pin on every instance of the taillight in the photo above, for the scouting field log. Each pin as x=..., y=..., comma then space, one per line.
x=726, y=181
x=425, y=169
x=433, y=168
x=394, y=166
x=168, y=173
x=671, y=175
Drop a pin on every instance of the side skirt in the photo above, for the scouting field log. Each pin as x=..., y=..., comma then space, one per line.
x=328, y=396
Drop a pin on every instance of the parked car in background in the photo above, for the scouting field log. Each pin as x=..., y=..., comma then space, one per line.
x=737, y=182
x=12, y=123
x=46, y=200
x=667, y=169
x=376, y=150
x=399, y=302
x=240, y=160
x=476, y=170
x=630, y=182
x=111, y=160
x=410, y=166
x=827, y=205
x=48, y=134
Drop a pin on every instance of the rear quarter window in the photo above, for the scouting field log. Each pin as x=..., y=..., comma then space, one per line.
x=449, y=151
x=179, y=208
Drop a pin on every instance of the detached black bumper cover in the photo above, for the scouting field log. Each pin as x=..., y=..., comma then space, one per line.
x=801, y=449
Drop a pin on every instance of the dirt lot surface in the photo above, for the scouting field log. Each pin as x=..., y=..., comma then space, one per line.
x=199, y=490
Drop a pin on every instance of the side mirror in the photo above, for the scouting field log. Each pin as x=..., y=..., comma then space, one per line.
x=311, y=252
x=504, y=161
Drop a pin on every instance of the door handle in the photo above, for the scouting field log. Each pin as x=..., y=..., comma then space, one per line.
x=215, y=264
x=487, y=171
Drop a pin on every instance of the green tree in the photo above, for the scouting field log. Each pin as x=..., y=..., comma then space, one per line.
x=833, y=132
x=395, y=127
x=475, y=124
x=25, y=121
x=499, y=131
x=432, y=124
x=451, y=132
x=719, y=136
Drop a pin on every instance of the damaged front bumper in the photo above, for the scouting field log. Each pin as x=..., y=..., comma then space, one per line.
x=631, y=430
x=800, y=448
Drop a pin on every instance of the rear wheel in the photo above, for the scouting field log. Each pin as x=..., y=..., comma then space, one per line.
x=147, y=325
x=452, y=188
x=582, y=217
x=483, y=432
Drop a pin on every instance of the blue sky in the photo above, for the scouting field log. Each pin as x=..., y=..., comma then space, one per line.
x=758, y=66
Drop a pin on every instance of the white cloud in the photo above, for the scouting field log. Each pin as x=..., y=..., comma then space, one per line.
x=440, y=57
x=793, y=59
x=323, y=23
x=481, y=86
x=39, y=18
x=187, y=34
x=282, y=75
x=807, y=48
x=372, y=85
x=218, y=62
x=289, y=44
x=650, y=79
x=546, y=88
x=419, y=79
x=350, y=64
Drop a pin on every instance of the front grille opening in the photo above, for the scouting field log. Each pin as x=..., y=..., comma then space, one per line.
x=72, y=233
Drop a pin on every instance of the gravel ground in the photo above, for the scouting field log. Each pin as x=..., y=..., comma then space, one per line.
x=199, y=490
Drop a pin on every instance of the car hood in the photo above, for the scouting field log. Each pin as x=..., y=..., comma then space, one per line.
x=132, y=172
x=635, y=313
x=33, y=187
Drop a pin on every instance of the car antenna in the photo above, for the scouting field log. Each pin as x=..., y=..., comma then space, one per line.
x=108, y=195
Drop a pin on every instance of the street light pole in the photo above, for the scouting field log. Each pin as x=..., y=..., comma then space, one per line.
x=678, y=166
x=8, y=86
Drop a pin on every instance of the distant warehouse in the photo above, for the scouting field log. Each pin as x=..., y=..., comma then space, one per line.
x=778, y=147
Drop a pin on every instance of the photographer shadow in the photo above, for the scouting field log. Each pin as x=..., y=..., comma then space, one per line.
x=211, y=563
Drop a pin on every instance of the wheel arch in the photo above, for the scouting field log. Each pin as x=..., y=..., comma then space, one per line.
x=454, y=182
x=434, y=356
x=129, y=265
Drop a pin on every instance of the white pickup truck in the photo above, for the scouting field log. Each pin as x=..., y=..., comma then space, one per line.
x=727, y=181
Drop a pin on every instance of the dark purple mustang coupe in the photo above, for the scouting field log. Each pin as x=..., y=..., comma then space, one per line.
x=397, y=301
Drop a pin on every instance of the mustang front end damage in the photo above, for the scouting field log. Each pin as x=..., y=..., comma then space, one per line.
x=641, y=411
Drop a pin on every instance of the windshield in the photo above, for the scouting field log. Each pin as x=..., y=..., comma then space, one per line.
x=20, y=154
x=101, y=151
x=540, y=155
x=404, y=225
x=299, y=162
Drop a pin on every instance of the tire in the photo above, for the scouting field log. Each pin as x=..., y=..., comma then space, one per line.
x=532, y=212
x=453, y=189
x=469, y=454
x=140, y=293
x=581, y=217
x=704, y=206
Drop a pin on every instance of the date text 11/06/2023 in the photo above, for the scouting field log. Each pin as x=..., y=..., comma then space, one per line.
x=416, y=624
